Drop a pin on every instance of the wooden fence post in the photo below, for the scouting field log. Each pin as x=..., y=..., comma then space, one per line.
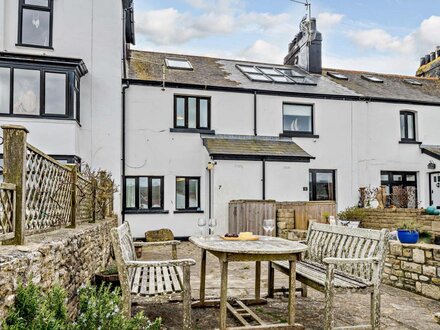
x=73, y=181
x=14, y=171
x=94, y=183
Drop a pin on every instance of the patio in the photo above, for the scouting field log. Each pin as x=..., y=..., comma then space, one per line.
x=400, y=309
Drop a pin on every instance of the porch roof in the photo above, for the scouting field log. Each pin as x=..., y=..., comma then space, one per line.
x=243, y=147
x=431, y=150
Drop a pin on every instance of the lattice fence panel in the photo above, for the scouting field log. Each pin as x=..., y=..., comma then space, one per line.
x=7, y=196
x=84, y=199
x=48, y=192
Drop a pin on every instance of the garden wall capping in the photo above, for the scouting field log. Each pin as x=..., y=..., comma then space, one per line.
x=68, y=257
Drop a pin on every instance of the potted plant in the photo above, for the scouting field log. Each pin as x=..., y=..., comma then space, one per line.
x=109, y=275
x=351, y=216
x=407, y=232
x=326, y=216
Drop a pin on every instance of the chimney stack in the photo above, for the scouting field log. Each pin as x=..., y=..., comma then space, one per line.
x=430, y=64
x=306, y=51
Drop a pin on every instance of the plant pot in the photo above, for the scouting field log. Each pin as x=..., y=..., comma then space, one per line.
x=112, y=279
x=138, y=250
x=407, y=236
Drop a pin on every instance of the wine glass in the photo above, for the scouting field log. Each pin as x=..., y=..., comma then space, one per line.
x=212, y=224
x=201, y=222
x=268, y=226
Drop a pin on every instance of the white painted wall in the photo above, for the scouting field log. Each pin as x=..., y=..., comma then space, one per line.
x=357, y=139
x=90, y=30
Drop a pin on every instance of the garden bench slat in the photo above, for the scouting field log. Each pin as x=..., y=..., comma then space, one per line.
x=135, y=287
x=174, y=279
x=167, y=279
x=159, y=280
x=152, y=284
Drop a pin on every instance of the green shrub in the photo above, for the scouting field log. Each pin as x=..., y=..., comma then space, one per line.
x=352, y=213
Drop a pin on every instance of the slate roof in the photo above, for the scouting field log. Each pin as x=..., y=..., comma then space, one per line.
x=393, y=86
x=431, y=150
x=223, y=73
x=253, y=146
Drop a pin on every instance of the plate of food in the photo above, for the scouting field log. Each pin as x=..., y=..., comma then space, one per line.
x=243, y=236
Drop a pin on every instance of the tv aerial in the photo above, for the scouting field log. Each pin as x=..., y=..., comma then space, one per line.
x=305, y=25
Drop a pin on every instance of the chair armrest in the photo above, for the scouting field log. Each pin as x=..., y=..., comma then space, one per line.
x=342, y=261
x=173, y=242
x=177, y=262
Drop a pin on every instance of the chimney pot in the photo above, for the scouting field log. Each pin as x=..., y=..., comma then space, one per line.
x=422, y=61
x=432, y=56
x=427, y=58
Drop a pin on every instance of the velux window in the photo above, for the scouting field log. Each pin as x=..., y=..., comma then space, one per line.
x=35, y=23
x=144, y=193
x=298, y=118
x=407, y=126
x=192, y=112
x=187, y=193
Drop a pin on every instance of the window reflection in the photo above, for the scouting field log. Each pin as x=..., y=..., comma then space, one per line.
x=26, y=92
x=35, y=27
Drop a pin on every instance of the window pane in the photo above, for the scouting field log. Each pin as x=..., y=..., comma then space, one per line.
x=402, y=126
x=384, y=177
x=4, y=89
x=130, y=192
x=36, y=27
x=297, y=118
x=324, y=186
x=156, y=198
x=269, y=71
x=260, y=77
x=180, y=193
x=397, y=177
x=411, y=177
x=44, y=3
x=26, y=92
x=55, y=93
x=192, y=112
x=280, y=78
x=180, y=112
x=249, y=69
x=143, y=193
x=410, y=119
x=204, y=113
x=193, y=187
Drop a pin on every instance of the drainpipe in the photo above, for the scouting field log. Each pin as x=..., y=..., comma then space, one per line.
x=255, y=113
x=125, y=86
x=264, y=178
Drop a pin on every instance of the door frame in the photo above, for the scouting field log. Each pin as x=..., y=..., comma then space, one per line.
x=431, y=202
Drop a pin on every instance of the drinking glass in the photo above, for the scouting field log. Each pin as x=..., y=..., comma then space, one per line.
x=212, y=224
x=268, y=226
x=201, y=222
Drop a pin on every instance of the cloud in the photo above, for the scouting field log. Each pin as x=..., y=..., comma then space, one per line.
x=325, y=20
x=263, y=51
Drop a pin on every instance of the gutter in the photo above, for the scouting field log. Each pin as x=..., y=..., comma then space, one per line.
x=255, y=113
x=125, y=86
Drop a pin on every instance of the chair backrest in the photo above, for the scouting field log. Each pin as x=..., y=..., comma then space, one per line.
x=160, y=235
x=344, y=242
x=123, y=243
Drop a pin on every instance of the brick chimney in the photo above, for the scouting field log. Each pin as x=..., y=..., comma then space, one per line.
x=305, y=51
x=430, y=64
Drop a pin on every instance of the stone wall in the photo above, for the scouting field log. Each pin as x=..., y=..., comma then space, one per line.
x=390, y=219
x=69, y=257
x=414, y=267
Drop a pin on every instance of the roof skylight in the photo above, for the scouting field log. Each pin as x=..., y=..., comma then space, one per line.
x=413, y=82
x=178, y=63
x=371, y=78
x=337, y=75
x=274, y=74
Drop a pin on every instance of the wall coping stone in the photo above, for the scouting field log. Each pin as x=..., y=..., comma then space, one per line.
x=422, y=246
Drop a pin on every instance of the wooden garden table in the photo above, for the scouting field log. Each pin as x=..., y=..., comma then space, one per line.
x=272, y=249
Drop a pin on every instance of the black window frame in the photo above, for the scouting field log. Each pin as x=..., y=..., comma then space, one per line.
x=150, y=209
x=390, y=183
x=405, y=115
x=71, y=76
x=312, y=184
x=310, y=133
x=21, y=6
x=187, y=208
x=198, y=98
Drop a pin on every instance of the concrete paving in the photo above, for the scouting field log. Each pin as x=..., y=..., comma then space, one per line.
x=400, y=309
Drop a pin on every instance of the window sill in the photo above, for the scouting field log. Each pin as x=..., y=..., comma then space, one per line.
x=146, y=211
x=409, y=142
x=34, y=46
x=189, y=211
x=299, y=134
x=192, y=130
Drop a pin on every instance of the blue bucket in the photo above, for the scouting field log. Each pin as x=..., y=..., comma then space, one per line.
x=407, y=236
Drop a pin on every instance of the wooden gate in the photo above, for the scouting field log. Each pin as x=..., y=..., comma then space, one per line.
x=248, y=215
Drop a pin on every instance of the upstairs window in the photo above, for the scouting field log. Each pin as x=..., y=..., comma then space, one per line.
x=192, y=112
x=407, y=126
x=298, y=119
x=35, y=23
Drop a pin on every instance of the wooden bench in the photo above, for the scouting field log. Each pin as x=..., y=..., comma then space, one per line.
x=150, y=280
x=340, y=259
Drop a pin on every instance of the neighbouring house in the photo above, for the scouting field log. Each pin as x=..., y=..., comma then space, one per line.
x=195, y=132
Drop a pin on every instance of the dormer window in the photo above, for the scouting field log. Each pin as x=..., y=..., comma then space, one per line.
x=176, y=63
x=35, y=23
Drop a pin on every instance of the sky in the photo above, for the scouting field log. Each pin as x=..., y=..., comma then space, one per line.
x=386, y=36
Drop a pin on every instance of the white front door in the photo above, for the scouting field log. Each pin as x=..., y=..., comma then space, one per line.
x=435, y=189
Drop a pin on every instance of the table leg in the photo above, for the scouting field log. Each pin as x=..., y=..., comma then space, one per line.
x=292, y=292
x=223, y=293
x=202, y=277
x=257, y=279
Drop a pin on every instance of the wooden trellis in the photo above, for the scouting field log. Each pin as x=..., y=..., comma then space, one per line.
x=7, y=206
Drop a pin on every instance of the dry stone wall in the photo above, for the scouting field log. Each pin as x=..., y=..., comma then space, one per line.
x=68, y=257
x=414, y=267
